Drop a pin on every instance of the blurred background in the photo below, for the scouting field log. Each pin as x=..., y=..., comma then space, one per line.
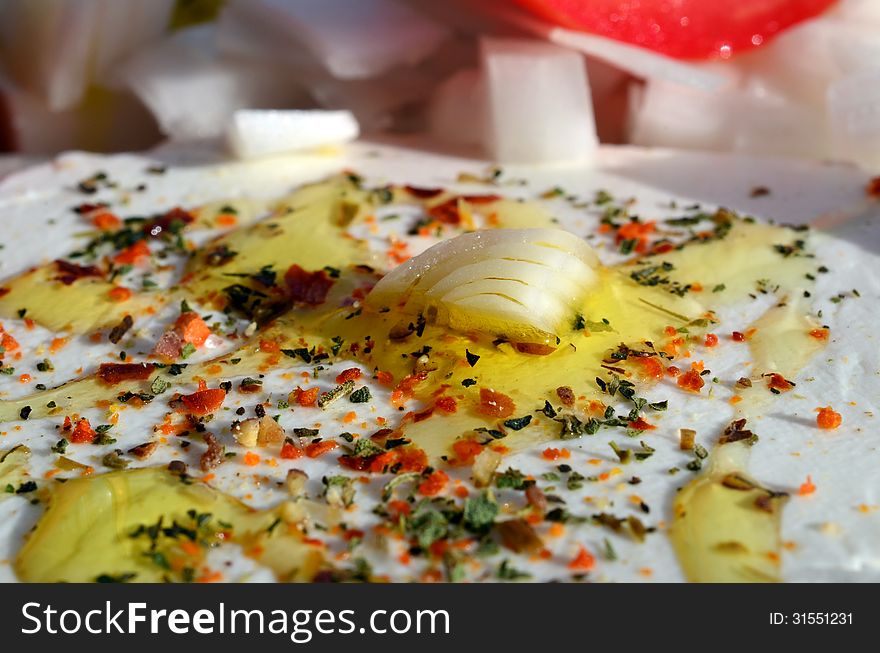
x=524, y=80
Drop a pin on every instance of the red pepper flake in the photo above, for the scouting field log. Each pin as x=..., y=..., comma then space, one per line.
x=157, y=227
x=446, y=212
x=778, y=383
x=192, y=328
x=305, y=398
x=8, y=343
x=551, y=453
x=290, y=451
x=82, y=433
x=691, y=380
x=446, y=405
x=434, y=484
x=309, y=288
x=269, y=347
x=638, y=231
x=650, y=368
x=820, y=334
x=204, y=402
x=70, y=272
x=738, y=336
x=120, y=294
x=807, y=488
x=495, y=404
x=105, y=221
x=113, y=373
x=406, y=388
x=641, y=425
x=583, y=561
x=316, y=449
x=465, y=451
x=351, y=374
x=711, y=340
x=872, y=189
x=397, y=508
x=423, y=193
x=480, y=199
x=828, y=418
x=133, y=253
x=251, y=459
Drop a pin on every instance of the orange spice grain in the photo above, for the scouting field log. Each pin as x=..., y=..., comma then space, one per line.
x=349, y=417
x=189, y=547
x=807, y=488
x=57, y=344
x=251, y=459
x=434, y=484
x=226, y=220
x=320, y=448
x=828, y=419
x=120, y=294
x=106, y=221
x=210, y=577
x=583, y=561
x=820, y=334
x=691, y=380
x=552, y=453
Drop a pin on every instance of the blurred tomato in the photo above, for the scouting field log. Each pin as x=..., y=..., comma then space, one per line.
x=687, y=29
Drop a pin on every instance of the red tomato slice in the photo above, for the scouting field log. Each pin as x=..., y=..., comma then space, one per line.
x=686, y=29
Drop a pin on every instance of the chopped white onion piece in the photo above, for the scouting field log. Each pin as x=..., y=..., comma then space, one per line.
x=854, y=111
x=254, y=132
x=858, y=12
x=672, y=115
x=633, y=59
x=538, y=102
x=457, y=113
